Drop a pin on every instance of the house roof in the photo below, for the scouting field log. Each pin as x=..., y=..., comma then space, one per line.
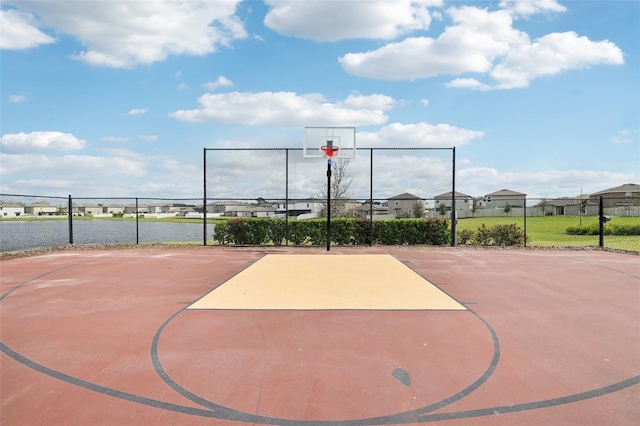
x=506, y=193
x=447, y=195
x=627, y=187
x=405, y=196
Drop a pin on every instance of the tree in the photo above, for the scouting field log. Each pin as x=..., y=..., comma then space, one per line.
x=544, y=203
x=417, y=209
x=507, y=208
x=341, y=181
x=442, y=209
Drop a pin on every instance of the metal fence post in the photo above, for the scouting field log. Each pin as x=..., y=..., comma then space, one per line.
x=204, y=199
x=137, y=224
x=524, y=203
x=371, y=197
x=454, y=219
x=70, y=216
x=286, y=198
x=601, y=222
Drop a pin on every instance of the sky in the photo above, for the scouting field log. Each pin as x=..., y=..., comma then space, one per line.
x=119, y=98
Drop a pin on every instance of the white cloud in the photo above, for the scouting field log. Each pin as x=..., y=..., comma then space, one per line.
x=624, y=137
x=424, y=102
x=419, y=135
x=484, y=42
x=148, y=138
x=552, y=54
x=467, y=83
x=16, y=99
x=332, y=21
x=17, y=143
x=220, y=82
x=19, y=31
x=287, y=109
x=128, y=33
x=530, y=7
x=115, y=138
x=182, y=86
x=71, y=165
x=137, y=111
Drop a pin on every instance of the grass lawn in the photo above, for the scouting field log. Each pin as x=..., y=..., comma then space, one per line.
x=550, y=231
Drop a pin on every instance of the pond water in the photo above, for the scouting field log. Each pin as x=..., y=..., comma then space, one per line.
x=22, y=235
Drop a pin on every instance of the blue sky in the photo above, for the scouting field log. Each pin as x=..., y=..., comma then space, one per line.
x=120, y=98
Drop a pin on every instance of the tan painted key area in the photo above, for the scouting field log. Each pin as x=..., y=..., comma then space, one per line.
x=331, y=282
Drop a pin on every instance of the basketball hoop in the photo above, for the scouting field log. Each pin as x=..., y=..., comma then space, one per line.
x=330, y=151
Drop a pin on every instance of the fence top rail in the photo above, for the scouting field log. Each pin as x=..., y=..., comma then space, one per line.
x=357, y=149
x=38, y=196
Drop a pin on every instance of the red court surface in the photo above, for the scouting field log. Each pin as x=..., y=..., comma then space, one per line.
x=105, y=338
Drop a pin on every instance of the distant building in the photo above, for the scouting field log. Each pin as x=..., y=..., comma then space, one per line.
x=11, y=209
x=463, y=201
x=500, y=199
x=41, y=209
x=403, y=204
x=623, y=195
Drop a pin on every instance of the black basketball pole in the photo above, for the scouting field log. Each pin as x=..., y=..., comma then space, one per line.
x=329, y=204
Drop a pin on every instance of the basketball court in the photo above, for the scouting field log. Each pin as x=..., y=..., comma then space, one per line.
x=357, y=336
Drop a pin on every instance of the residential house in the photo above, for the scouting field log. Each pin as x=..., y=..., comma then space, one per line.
x=89, y=210
x=403, y=204
x=131, y=209
x=500, y=199
x=41, y=209
x=223, y=207
x=567, y=206
x=159, y=208
x=464, y=202
x=249, y=210
x=297, y=207
x=11, y=209
x=620, y=196
x=365, y=210
x=112, y=208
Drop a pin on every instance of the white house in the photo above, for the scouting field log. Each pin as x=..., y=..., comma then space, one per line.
x=11, y=209
x=309, y=206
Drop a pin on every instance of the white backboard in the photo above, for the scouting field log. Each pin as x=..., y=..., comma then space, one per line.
x=317, y=137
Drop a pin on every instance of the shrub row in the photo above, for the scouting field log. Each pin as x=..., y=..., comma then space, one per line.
x=344, y=231
x=497, y=235
x=609, y=229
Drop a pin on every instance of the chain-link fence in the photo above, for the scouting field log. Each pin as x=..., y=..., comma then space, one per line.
x=379, y=183
x=28, y=222
x=611, y=222
x=370, y=188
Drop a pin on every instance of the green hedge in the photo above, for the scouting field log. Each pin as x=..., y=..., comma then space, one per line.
x=344, y=231
x=498, y=235
x=609, y=229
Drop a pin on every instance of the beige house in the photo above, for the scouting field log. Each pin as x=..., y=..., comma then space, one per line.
x=112, y=209
x=89, y=210
x=364, y=210
x=403, y=203
x=620, y=196
x=499, y=199
x=463, y=201
x=41, y=209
